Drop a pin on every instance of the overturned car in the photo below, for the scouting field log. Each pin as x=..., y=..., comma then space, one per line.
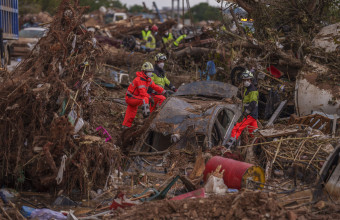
x=201, y=113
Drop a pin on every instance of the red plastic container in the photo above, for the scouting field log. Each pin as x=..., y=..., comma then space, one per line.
x=275, y=72
x=236, y=172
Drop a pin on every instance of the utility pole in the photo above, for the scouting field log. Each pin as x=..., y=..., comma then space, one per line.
x=145, y=8
x=178, y=14
x=2, y=50
x=183, y=11
x=172, y=9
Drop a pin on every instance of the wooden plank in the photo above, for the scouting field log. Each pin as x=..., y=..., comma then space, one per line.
x=315, y=121
x=270, y=133
x=327, y=129
x=334, y=125
x=304, y=120
x=292, y=119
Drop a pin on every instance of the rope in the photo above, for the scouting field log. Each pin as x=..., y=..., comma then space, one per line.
x=61, y=170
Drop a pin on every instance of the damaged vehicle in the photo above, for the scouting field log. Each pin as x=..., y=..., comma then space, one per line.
x=28, y=38
x=200, y=113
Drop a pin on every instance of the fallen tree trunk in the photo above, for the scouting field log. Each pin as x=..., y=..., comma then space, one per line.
x=134, y=28
x=288, y=59
x=194, y=51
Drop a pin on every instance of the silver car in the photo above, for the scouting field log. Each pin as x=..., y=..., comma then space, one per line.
x=28, y=38
x=200, y=111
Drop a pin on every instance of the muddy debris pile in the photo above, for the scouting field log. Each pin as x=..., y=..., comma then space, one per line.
x=45, y=103
x=252, y=205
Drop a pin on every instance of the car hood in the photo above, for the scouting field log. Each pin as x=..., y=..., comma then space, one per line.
x=210, y=89
x=194, y=104
x=180, y=113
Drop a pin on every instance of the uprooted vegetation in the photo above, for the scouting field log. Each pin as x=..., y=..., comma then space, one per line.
x=35, y=102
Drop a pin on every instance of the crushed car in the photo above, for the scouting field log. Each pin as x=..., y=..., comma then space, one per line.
x=204, y=107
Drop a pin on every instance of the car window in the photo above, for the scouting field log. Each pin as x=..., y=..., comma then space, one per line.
x=119, y=17
x=108, y=18
x=31, y=33
x=221, y=125
x=224, y=117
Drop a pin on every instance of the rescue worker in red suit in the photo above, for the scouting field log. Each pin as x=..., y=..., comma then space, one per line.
x=137, y=95
x=250, y=109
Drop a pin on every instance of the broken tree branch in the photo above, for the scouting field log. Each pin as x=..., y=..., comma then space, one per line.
x=194, y=51
x=245, y=6
x=135, y=153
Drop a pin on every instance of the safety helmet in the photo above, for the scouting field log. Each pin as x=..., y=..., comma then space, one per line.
x=247, y=75
x=147, y=67
x=154, y=28
x=160, y=57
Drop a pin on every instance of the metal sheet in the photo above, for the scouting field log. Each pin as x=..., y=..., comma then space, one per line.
x=312, y=95
x=9, y=21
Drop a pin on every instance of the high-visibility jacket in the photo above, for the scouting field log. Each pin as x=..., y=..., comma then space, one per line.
x=179, y=39
x=140, y=85
x=168, y=39
x=159, y=77
x=145, y=34
x=250, y=101
x=150, y=42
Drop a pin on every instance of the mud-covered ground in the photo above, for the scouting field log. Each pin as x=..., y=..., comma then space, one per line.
x=245, y=205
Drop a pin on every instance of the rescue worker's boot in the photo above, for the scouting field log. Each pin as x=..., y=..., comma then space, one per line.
x=146, y=110
x=124, y=127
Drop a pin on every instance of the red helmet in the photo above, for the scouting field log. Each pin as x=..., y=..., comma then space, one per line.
x=154, y=28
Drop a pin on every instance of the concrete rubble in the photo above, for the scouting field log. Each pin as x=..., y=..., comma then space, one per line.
x=64, y=154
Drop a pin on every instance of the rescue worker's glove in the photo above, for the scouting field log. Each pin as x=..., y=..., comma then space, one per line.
x=146, y=110
x=174, y=89
x=165, y=93
x=245, y=113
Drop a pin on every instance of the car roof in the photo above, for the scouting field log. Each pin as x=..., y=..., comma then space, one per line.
x=210, y=89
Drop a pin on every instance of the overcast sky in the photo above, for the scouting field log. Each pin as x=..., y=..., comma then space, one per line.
x=163, y=3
